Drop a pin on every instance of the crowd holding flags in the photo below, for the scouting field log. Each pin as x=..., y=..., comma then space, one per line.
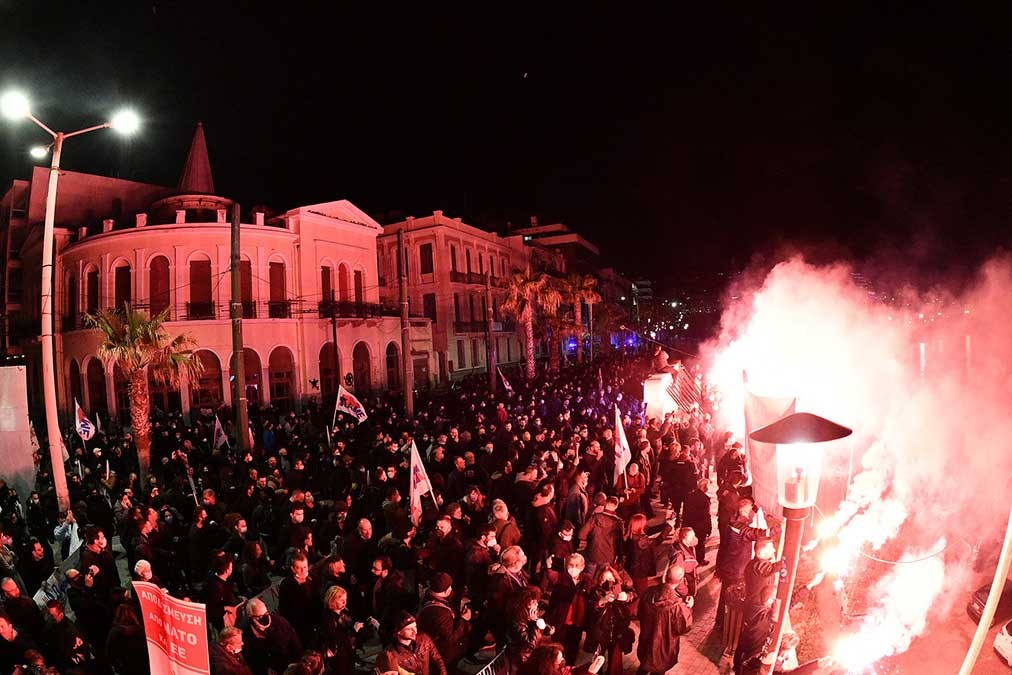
x=347, y=403
x=420, y=484
x=623, y=453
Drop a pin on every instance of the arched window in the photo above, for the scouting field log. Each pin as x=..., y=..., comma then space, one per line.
x=330, y=371
x=343, y=283
x=201, y=304
x=277, y=308
x=72, y=319
x=281, y=366
x=361, y=366
x=359, y=286
x=122, y=280
x=96, y=387
x=91, y=280
x=158, y=283
x=393, y=366
x=206, y=391
x=249, y=307
x=75, y=381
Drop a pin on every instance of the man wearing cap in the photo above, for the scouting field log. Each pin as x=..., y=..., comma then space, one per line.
x=437, y=619
x=416, y=653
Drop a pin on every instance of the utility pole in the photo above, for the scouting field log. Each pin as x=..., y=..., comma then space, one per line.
x=239, y=369
x=590, y=319
x=490, y=351
x=333, y=332
x=407, y=383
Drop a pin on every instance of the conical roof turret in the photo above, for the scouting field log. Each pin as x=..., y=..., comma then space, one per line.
x=196, y=177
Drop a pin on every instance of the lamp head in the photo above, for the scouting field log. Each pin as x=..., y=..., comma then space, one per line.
x=14, y=105
x=38, y=151
x=125, y=122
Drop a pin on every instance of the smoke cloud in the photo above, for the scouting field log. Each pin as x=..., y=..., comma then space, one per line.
x=923, y=379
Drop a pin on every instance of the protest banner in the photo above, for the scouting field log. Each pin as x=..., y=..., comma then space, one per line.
x=176, y=631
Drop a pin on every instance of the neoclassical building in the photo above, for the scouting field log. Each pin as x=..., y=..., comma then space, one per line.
x=307, y=275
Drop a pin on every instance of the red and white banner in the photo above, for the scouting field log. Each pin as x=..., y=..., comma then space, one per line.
x=176, y=631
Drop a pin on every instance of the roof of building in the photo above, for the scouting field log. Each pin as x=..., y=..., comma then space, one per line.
x=342, y=210
x=196, y=177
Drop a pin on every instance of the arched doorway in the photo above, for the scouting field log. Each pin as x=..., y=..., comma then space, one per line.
x=122, y=391
x=253, y=373
x=96, y=386
x=281, y=366
x=75, y=382
x=205, y=392
x=163, y=395
x=362, y=367
x=393, y=366
x=158, y=283
x=330, y=371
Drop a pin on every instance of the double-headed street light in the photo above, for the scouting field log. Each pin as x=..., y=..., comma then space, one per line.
x=14, y=105
x=798, y=438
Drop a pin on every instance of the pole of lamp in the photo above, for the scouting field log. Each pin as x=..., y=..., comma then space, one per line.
x=408, y=384
x=333, y=333
x=792, y=550
x=490, y=348
x=239, y=395
x=590, y=324
x=46, y=332
x=991, y=606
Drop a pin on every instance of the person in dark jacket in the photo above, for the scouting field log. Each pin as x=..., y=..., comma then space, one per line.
x=527, y=627
x=682, y=475
x=732, y=558
x=684, y=555
x=544, y=521
x=269, y=641
x=439, y=620
x=21, y=610
x=299, y=598
x=480, y=555
x=97, y=558
x=603, y=533
x=506, y=580
x=226, y=654
x=126, y=648
x=696, y=514
x=416, y=653
x=567, y=607
x=219, y=592
x=663, y=615
x=578, y=501
x=13, y=645
x=640, y=556
x=761, y=575
x=339, y=632
x=66, y=642
x=608, y=616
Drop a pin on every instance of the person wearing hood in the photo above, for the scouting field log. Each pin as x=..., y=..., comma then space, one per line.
x=269, y=640
x=665, y=615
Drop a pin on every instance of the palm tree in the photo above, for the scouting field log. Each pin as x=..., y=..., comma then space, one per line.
x=140, y=345
x=581, y=288
x=527, y=293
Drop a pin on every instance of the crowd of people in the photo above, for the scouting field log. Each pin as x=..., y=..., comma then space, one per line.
x=531, y=545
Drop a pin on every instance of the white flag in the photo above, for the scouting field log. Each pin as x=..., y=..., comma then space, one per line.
x=623, y=454
x=419, y=484
x=347, y=403
x=505, y=383
x=329, y=443
x=220, y=438
x=84, y=427
x=98, y=422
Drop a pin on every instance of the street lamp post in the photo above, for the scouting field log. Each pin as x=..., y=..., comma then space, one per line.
x=14, y=105
x=799, y=467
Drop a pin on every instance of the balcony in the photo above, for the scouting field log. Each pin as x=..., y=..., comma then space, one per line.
x=458, y=277
x=475, y=278
x=198, y=311
x=469, y=326
x=279, y=309
x=249, y=309
x=346, y=309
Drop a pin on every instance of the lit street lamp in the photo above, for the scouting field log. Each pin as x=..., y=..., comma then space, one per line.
x=799, y=468
x=14, y=105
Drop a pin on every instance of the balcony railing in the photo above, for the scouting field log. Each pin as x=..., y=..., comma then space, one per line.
x=279, y=309
x=346, y=309
x=458, y=277
x=475, y=278
x=197, y=311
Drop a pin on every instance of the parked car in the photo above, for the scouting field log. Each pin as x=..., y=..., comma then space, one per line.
x=975, y=608
x=1003, y=642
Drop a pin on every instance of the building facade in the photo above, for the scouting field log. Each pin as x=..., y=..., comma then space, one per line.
x=447, y=264
x=307, y=275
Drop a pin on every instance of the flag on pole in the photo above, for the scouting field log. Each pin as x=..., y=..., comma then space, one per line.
x=84, y=427
x=252, y=443
x=329, y=444
x=220, y=438
x=347, y=403
x=505, y=383
x=419, y=484
x=98, y=422
x=35, y=439
x=623, y=453
x=600, y=378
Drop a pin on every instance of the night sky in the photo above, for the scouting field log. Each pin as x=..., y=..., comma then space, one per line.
x=683, y=141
